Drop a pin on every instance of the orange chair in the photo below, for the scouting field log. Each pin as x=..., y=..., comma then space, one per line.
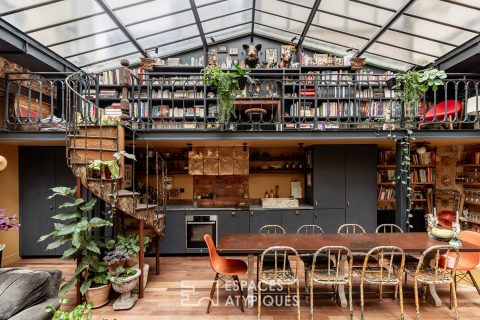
x=468, y=261
x=224, y=267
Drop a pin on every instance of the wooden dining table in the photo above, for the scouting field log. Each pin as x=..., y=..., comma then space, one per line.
x=253, y=244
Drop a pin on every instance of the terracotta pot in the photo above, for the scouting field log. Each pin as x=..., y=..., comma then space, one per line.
x=132, y=261
x=98, y=296
x=112, y=269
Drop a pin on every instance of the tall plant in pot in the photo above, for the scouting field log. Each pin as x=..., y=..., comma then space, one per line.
x=227, y=84
x=6, y=224
x=75, y=228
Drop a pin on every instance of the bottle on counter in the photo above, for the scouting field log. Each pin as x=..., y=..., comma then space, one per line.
x=266, y=194
x=286, y=166
x=277, y=194
x=271, y=195
x=293, y=166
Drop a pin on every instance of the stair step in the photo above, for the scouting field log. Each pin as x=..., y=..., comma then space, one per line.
x=143, y=206
x=78, y=155
x=80, y=142
x=126, y=193
x=92, y=136
x=93, y=148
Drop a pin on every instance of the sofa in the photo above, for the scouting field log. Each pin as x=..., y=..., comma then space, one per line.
x=24, y=294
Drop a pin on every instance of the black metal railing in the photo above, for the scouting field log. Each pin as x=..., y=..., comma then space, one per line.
x=277, y=102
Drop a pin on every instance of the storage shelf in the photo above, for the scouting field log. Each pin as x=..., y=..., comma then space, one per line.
x=422, y=166
x=422, y=183
x=472, y=203
x=390, y=183
x=274, y=171
x=386, y=166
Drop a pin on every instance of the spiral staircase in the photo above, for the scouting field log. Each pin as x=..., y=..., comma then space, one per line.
x=88, y=140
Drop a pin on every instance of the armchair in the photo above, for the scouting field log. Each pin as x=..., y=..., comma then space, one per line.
x=447, y=203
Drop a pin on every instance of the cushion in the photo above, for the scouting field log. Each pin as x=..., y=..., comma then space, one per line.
x=21, y=289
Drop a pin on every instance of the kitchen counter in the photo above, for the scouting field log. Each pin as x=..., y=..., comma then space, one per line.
x=189, y=207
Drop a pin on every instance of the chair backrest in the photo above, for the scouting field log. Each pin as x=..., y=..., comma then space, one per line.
x=334, y=267
x=215, y=259
x=310, y=229
x=280, y=253
x=388, y=228
x=271, y=228
x=445, y=200
x=473, y=258
x=351, y=228
x=437, y=262
x=386, y=259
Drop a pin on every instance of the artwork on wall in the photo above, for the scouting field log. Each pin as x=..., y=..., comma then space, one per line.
x=233, y=51
x=271, y=56
x=222, y=49
x=320, y=59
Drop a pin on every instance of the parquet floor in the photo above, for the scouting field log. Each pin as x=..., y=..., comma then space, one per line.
x=167, y=294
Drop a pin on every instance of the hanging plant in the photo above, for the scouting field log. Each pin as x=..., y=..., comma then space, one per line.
x=227, y=84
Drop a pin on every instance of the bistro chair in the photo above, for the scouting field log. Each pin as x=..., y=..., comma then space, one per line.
x=278, y=274
x=388, y=228
x=357, y=256
x=224, y=268
x=269, y=229
x=468, y=261
x=307, y=258
x=432, y=269
x=384, y=273
x=338, y=272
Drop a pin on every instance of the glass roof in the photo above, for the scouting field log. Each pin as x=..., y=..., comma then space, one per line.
x=86, y=32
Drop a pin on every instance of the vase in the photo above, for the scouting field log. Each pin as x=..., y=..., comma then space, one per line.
x=98, y=296
x=124, y=286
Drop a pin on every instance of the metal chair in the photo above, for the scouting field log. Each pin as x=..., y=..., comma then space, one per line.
x=307, y=258
x=431, y=271
x=351, y=228
x=224, y=267
x=388, y=228
x=279, y=275
x=269, y=229
x=338, y=272
x=385, y=273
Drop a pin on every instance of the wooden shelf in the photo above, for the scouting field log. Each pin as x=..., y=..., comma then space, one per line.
x=468, y=165
x=386, y=166
x=422, y=166
x=391, y=183
x=472, y=184
x=422, y=183
x=274, y=171
x=419, y=200
x=386, y=200
x=472, y=203
x=468, y=220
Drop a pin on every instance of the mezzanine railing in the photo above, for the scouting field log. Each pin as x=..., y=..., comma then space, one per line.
x=280, y=102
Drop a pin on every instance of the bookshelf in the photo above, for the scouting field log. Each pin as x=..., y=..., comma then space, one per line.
x=386, y=168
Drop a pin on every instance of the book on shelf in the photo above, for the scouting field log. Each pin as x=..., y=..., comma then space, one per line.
x=427, y=158
x=110, y=77
x=426, y=175
x=386, y=193
x=384, y=176
x=108, y=93
x=386, y=157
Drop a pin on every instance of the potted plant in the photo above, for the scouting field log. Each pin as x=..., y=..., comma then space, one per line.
x=124, y=282
x=81, y=312
x=227, y=84
x=108, y=168
x=74, y=227
x=116, y=258
x=130, y=243
x=6, y=224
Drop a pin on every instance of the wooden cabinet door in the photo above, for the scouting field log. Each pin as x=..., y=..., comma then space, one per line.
x=259, y=218
x=295, y=218
x=329, y=176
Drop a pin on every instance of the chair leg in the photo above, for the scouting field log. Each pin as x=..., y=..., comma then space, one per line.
x=157, y=256
x=475, y=284
x=212, y=292
x=454, y=294
x=362, y=303
x=259, y=302
x=417, y=302
x=258, y=268
x=311, y=299
x=350, y=302
x=240, y=292
x=424, y=292
x=451, y=292
x=380, y=293
x=298, y=299
x=400, y=287
x=406, y=277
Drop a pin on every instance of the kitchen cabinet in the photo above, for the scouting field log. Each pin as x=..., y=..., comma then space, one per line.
x=174, y=239
x=343, y=188
x=292, y=219
x=259, y=218
x=233, y=222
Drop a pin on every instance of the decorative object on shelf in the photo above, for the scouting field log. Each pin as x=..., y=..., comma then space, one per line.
x=3, y=163
x=456, y=231
x=251, y=54
x=173, y=62
x=357, y=63
x=222, y=49
x=233, y=51
x=446, y=180
x=319, y=59
x=212, y=58
x=445, y=160
x=227, y=84
x=125, y=81
x=124, y=283
x=271, y=57
x=147, y=63
x=286, y=57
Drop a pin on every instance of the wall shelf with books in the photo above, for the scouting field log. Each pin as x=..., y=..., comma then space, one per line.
x=386, y=188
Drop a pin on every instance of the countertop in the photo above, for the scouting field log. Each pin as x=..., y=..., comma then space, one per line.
x=189, y=207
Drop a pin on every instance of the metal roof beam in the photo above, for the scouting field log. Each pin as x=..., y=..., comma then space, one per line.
x=466, y=50
x=312, y=14
x=122, y=27
x=252, y=32
x=385, y=27
x=33, y=6
x=199, y=23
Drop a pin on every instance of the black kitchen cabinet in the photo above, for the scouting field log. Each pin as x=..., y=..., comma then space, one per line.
x=174, y=238
x=233, y=222
x=293, y=219
x=40, y=168
x=343, y=188
x=260, y=218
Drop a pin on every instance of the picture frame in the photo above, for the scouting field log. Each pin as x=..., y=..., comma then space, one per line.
x=222, y=49
x=320, y=59
x=127, y=175
x=271, y=55
x=233, y=51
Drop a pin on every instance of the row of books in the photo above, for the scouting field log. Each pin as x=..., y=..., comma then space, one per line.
x=385, y=176
x=385, y=157
x=386, y=193
x=327, y=75
x=348, y=108
x=164, y=111
x=422, y=175
x=427, y=158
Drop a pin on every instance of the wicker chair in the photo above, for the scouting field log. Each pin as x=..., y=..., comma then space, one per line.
x=307, y=258
x=333, y=272
x=278, y=275
x=431, y=270
x=384, y=273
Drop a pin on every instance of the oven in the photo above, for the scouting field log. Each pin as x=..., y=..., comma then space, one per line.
x=196, y=227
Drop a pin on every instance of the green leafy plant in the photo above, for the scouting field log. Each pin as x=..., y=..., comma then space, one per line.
x=117, y=255
x=122, y=274
x=227, y=84
x=75, y=228
x=81, y=312
x=112, y=165
x=130, y=243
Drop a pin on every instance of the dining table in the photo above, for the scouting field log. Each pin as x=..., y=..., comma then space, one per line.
x=252, y=244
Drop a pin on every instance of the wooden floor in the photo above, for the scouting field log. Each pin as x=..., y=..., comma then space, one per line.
x=167, y=294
